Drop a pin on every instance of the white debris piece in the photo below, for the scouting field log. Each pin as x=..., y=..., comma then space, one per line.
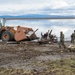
x=71, y=47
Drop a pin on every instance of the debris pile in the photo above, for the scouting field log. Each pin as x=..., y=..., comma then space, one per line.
x=48, y=38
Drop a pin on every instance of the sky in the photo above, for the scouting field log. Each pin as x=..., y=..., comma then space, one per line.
x=19, y=7
x=46, y=7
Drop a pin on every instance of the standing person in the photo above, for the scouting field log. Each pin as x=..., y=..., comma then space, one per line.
x=61, y=44
x=72, y=37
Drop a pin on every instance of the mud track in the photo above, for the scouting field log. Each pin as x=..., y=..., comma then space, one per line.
x=31, y=55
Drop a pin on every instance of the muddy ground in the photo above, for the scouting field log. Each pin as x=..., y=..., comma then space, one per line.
x=32, y=57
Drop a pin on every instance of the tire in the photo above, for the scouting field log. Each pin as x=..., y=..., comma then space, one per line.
x=12, y=36
x=7, y=36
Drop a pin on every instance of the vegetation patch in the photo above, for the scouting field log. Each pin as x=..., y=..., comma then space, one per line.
x=57, y=67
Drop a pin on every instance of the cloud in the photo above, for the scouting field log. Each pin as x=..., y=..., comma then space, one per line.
x=58, y=4
x=18, y=7
x=32, y=5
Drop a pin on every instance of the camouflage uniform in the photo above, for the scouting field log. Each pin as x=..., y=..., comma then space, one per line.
x=51, y=38
x=0, y=24
x=73, y=37
x=61, y=44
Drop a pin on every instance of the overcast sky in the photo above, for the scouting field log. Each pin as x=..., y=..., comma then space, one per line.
x=46, y=7
x=17, y=7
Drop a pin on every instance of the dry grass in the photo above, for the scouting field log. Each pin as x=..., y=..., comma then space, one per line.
x=58, y=67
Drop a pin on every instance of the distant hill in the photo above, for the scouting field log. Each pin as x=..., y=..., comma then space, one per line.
x=38, y=16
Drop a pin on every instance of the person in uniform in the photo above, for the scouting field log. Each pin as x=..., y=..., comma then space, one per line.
x=0, y=25
x=61, y=44
x=72, y=37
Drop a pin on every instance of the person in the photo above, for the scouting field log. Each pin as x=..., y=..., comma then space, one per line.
x=0, y=25
x=51, y=38
x=61, y=44
x=72, y=37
